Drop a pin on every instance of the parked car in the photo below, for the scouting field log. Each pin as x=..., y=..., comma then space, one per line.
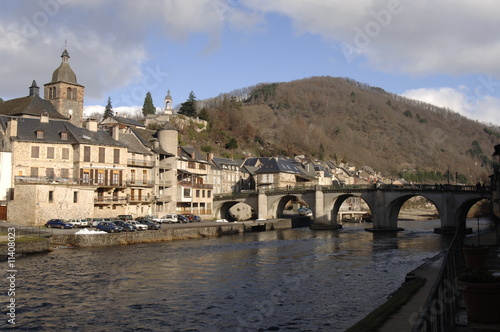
x=93, y=222
x=170, y=218
x=182, y=219
x=78, y=222
x=125, y=217
x=153, y=219
x=126, y=226
x=58, y=223
x=192, y=217
x=139, y=226
x=109, y=227
x=151, y=224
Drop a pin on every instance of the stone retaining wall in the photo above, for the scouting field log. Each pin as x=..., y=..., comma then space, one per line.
x=26, y=248
x=99, y=240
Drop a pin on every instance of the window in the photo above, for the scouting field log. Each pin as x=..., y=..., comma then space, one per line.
x=34, y=172
x=35, y=152
x=197, y=193
x=144, y=176
x=100, y=177
x=65, y=173
x=64, y=136
x=132, y=176
x=86, y=177
x=132, y=194
x=39, y=133
x=209, y=193
x=203, y=193
x=116, y=156
x=51, y=196
x=65, y=153
x=114, y=179
x=86, y=153
x=75, y=196
x=187, y=192
x=102, y=156
x=49, y=173
x=191, y=164
x=50, y=152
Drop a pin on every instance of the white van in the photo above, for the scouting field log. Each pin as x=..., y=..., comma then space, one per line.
x=170, y=218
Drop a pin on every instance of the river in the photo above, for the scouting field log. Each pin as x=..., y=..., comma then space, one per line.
x=286, y=280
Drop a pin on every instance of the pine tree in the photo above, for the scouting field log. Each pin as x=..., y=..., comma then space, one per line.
x=108, y=111
x=188, y=108
x=148, y=107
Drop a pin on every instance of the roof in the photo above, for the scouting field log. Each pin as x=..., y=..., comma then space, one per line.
x=133, y=144
x=31, y=106
x=122, y=120
x=188, y=152
x=220, y=162
x=64, y=73
x=27, y=128
x=255, y=161
x=278, y=165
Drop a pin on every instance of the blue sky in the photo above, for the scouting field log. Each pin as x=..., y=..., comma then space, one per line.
x=440, y=51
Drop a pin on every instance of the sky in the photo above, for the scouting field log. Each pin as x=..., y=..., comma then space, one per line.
x=445, y=52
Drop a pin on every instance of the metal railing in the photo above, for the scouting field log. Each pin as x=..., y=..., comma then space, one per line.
x=439, y=311
x=140, y=163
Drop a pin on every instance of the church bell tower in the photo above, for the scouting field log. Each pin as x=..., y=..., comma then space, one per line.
x=65, y=93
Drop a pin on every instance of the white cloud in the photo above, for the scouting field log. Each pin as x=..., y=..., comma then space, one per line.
x=481, y=108
x=404, y=36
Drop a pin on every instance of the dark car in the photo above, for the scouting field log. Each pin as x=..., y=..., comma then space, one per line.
x=126, y=226
x=150, y=224
x=192, y=217
x=182, y=219
x=109, y=227
x=58, y=223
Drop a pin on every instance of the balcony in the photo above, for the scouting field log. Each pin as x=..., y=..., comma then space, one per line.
x=69, y=181
x=109, y=200
x=140, y=163
x=147, y=184
x=140, y=199
x=196, y=185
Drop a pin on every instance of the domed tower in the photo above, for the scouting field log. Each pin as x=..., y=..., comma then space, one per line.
x=168, y=103
x=65, y=93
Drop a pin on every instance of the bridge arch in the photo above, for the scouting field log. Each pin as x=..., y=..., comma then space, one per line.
x=333, y=204
x=277, y=203
x=394, y=207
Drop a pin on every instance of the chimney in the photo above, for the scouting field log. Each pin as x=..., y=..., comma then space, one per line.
x=44, y=117
x=116, y=132
x=210, y=156
x=91, y=124
x=12, y=127
x=34, y=89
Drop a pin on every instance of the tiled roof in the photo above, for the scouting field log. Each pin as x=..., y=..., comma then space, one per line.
x=133, y=144
x=278, y=165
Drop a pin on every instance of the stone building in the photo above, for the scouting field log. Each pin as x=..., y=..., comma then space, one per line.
x=151, y=164
x=194, y=192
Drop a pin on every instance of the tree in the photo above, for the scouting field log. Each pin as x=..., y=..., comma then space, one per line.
x=148, y=107
x=188, y=107
x=1, y=100
x=108, y=111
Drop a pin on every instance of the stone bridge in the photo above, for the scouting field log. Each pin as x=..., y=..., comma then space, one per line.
x=452, y=202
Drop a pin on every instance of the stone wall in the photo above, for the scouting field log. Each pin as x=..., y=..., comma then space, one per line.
x=26, y=248
x=98, y=240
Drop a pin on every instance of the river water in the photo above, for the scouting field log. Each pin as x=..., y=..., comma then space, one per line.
x=286, y=280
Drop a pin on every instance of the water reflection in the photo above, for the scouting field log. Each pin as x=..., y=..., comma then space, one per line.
x=294, y=280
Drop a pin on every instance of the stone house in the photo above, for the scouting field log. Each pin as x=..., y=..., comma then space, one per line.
x=229, y=177
x=280, y=173
x=194, y=191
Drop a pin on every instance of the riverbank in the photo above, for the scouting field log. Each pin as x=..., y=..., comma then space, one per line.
x=169, y=232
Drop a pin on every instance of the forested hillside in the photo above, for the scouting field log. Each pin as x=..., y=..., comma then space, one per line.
x=339, y=119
